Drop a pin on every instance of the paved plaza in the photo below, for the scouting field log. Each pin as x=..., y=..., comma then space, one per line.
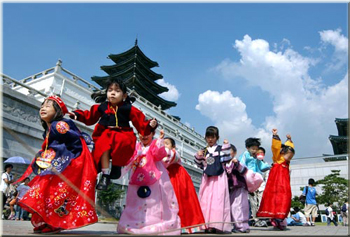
x=24, y=228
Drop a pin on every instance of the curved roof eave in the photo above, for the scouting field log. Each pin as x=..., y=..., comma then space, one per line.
x=114, y=57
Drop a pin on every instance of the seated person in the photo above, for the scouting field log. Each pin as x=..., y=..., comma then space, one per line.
x=297, y=219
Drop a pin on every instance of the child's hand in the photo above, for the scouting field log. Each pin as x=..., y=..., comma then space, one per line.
x=234, y=160
x=289, y=136
x=153, y=123
x=274, y=131
x=72, y=115
x=225, y=141
x=161, y=134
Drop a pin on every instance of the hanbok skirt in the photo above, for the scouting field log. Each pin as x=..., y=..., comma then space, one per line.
x=65, y=200
x=276, y=200
x=155, y=214
x=190, y=211
x=215, y=202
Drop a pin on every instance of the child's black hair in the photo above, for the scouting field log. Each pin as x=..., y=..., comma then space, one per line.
x=100, y=96
x=311, y=182
x=285, y=149
x=262, y=148
x=116, y=81
x=212, y=131
x=252, y=141
x=172, y=141
x=233, y=148
x=58, y=115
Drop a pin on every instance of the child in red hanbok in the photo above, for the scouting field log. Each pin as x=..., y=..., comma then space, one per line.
x=62, y=194
x=114, y=138
x=190, y=211
x=276, y=200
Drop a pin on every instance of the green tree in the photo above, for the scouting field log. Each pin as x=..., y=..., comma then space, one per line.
x=107, y=198
x=296, y=203
x=334, y=189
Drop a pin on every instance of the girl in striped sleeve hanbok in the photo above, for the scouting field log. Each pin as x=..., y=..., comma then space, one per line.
x=214, y=193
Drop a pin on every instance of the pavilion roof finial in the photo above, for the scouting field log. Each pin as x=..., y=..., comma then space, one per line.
x=58, y=65
x=136, y=41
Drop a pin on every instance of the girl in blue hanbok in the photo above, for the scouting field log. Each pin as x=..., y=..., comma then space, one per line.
x=62, y=195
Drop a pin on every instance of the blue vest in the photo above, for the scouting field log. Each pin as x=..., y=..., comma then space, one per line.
x=214, y=166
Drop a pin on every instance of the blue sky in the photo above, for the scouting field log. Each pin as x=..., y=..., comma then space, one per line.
x=244, y=67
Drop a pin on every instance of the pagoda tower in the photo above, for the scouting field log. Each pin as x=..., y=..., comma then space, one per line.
x=340, y=142
x=134, y=68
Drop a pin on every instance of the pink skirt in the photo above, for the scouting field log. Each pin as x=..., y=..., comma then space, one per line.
x=215, y=201
x=155, y=213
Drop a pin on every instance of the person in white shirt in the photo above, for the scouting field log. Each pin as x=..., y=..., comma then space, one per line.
x=6, y=179
x=330, y=215
x=298, y=219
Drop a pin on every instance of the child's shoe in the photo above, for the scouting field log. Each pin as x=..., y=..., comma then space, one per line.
x=116, y=172
x=38, y=229
x=263, y=224
x=210, y=230
x=50, y=230
x=240, y=231
x=274, y=223
x=104, y=182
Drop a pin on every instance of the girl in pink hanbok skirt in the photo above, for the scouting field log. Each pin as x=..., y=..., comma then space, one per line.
x=213, y=192
x=151, y=204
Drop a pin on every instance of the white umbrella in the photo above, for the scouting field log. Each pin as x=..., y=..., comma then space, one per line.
x=17, y=160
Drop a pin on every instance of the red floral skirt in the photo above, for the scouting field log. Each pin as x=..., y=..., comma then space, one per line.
x=66, y=200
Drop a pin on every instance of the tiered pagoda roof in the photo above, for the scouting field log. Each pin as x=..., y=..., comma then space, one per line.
x=134, y=67
x=340, y=142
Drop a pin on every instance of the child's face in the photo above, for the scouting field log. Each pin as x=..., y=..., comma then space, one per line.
x=146, y=140
x=288, y=155
x=253, y=150
x=233, y=153
x=167, y=144
x=211, y=140
x=260, y=154
x=47, y=111
x=115, y=95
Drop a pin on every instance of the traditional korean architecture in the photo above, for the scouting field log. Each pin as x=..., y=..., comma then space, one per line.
x=340, y=142
x=134, y=67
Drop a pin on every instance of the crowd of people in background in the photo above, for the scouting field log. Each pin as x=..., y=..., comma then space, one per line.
x=11, y=194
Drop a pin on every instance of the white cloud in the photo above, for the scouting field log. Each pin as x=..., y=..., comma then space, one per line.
x=340, y=43
x=230, y=116
x=171, y=95
x=333, y=37
x=302, y=106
